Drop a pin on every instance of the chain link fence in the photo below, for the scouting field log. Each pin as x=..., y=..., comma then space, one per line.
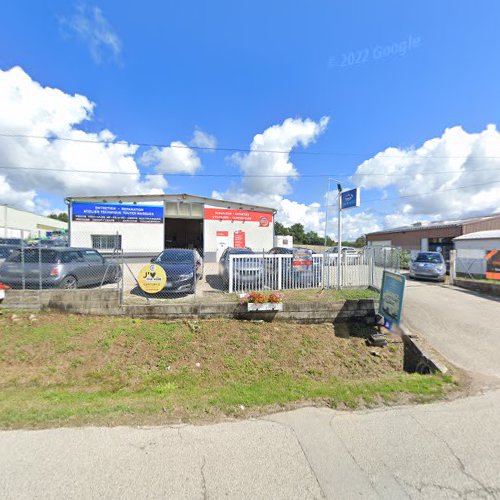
x=52, y=265
x=179, y=275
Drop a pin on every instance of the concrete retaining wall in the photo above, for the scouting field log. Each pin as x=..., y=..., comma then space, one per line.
x=476, y=286
x=107, y=302
x=416, y=359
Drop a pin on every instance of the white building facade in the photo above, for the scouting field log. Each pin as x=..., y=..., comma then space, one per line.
x=478, y=253
x=15, y=223
x=147, y=224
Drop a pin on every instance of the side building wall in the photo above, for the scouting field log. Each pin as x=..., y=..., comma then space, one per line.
x=16, y=223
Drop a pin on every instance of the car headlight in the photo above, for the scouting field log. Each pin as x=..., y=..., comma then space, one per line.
x=185, y=276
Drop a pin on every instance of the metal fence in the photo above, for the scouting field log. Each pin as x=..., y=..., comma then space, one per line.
x=470, y=263
x=188, y=278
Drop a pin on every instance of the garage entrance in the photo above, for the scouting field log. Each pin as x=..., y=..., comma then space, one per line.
x=184, y=233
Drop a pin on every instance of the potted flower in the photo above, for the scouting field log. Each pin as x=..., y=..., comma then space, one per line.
x=2, y=291
x=257, y=301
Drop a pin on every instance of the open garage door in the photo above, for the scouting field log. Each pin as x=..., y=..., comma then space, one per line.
x=184, y=233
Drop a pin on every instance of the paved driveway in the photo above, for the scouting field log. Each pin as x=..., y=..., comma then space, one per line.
x=463, y=326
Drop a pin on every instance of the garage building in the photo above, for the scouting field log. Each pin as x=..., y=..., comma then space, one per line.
x=433, y=236
x=146, y=224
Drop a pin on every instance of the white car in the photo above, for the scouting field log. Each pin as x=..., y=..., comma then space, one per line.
x=349, y=255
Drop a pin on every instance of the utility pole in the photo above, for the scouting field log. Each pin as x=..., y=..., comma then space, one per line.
x=326, y=212
x=339, y=238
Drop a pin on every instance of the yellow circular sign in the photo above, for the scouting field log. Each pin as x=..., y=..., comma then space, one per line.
x=152, y=278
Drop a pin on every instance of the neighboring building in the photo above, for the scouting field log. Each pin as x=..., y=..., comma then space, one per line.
x=284, y=241
x=436, y=236
x=16, y=223
x=146, y=224
x=473, y=251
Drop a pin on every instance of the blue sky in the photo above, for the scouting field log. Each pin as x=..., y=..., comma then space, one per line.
x=160, y=70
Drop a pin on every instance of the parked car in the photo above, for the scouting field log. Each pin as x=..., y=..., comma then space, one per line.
x=58, y=267
x=299, y=271
x=12, y=241
x=246, y=272
x=183, y=268
x=6, y=251
x=349, y=254
x=429, y=265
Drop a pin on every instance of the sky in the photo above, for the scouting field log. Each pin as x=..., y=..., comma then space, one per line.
x=258, y=102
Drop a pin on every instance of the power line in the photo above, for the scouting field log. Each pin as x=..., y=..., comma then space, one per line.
x=390, y=198
x=232, y=149
x=182, y=174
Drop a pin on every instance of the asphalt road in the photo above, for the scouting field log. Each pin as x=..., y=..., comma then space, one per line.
x=443, y=450
x=462, y=326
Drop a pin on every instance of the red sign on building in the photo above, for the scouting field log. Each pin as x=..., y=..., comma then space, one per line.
x=224, y=214
x=239, y=239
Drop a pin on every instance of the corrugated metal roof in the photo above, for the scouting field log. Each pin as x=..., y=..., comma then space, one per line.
x=480, y=235
x=422, y=226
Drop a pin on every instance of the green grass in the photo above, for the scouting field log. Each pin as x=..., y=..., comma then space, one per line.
x=197, y=398
x=74, y=370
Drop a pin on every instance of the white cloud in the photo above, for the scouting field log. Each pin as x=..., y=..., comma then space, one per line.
x=176, y=158
x=90, y=25
x=284, y=137
x=470, y=159
x=203, y=140
x=258, y=188
x=272, y=191
x=27, y=108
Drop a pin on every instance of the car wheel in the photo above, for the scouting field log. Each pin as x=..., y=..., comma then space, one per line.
x=69, y=282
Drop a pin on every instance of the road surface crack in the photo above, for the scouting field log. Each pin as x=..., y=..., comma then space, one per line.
x=354, y=459
x=462, y=466
x=203, y=478
x=313, y=472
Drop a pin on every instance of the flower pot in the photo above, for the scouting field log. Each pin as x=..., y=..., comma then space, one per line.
x=268, y=306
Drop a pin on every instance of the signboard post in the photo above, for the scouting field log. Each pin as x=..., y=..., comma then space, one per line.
x=391, y=298
x=346, y=199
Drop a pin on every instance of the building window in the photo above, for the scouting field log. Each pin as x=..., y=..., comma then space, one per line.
x=107, y=241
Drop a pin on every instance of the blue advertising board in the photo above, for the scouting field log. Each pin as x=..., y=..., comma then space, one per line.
x=350, y=198
x=116, y=212
x=391, y=297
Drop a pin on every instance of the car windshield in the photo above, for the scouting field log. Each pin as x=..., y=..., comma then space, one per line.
x=33, y=256
x=5, y=252
x=434, y=258
x=176, y=257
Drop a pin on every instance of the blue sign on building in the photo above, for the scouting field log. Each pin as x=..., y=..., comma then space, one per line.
x=116, y=212
x=391, y=297
x=350, y=198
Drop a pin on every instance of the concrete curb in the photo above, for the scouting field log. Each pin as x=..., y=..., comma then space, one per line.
x=416, y=358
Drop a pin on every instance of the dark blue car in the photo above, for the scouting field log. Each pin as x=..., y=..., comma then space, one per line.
x=183, y=268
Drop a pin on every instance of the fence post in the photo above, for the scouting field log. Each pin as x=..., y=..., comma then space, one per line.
x=23, y=277
x=230, y=272
x=40, y=264
x=453, y=266
x=280, y=268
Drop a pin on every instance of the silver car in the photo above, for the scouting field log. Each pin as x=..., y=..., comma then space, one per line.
x=428, y=265
x=58, y=267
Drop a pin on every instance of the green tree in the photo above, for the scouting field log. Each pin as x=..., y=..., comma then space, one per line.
x=62, y=216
